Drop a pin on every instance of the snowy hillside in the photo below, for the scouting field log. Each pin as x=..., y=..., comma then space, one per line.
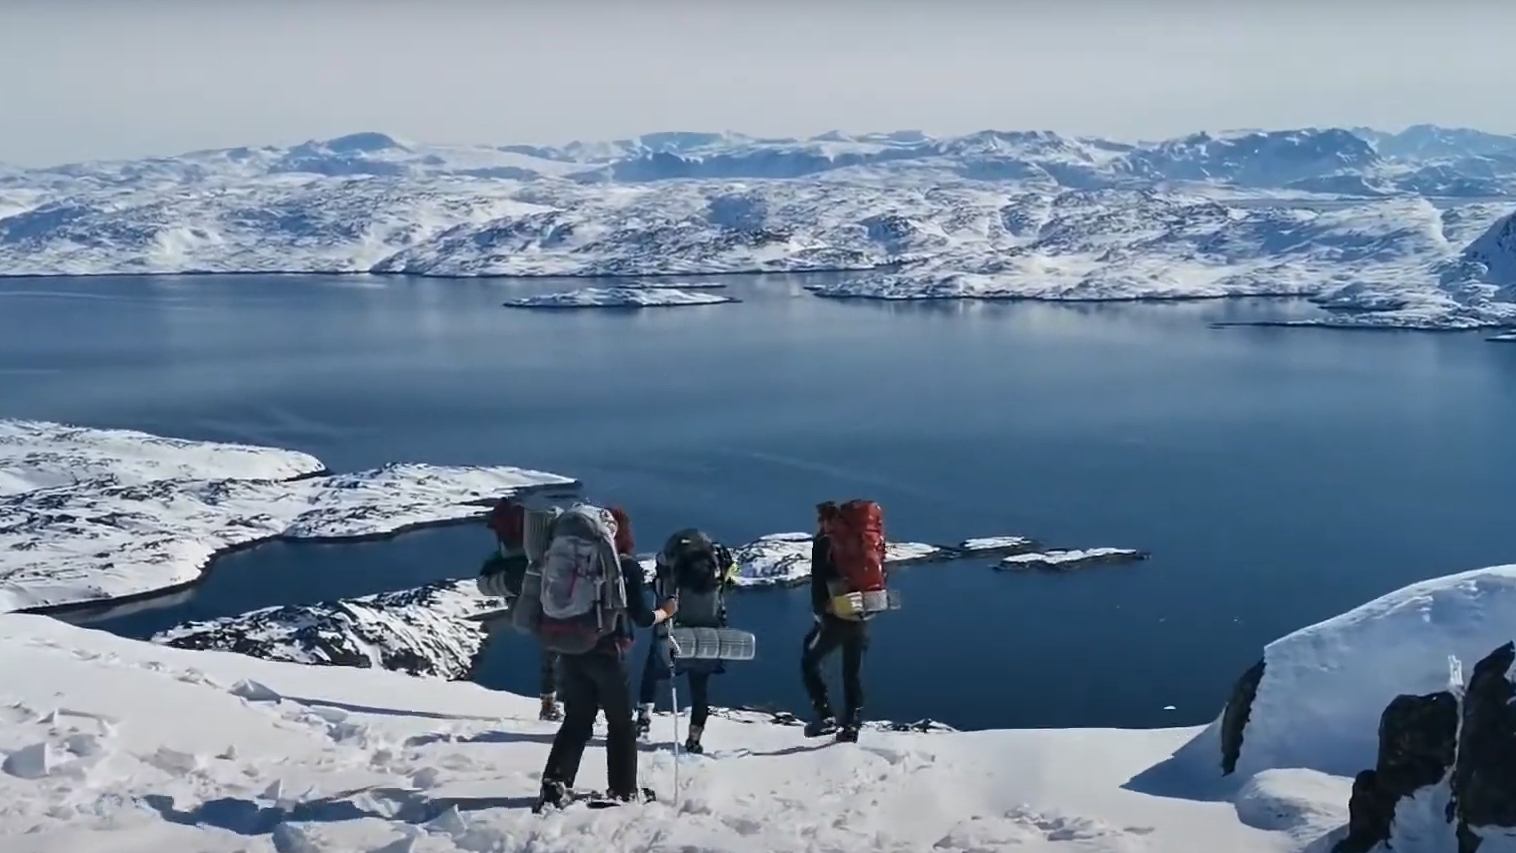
x=1374, y=225
x=422, y=631
x=115, y=745
x=155, y=521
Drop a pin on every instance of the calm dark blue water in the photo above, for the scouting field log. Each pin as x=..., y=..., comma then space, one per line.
x=1279, y=476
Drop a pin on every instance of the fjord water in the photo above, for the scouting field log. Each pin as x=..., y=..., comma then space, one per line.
x=1278, y=476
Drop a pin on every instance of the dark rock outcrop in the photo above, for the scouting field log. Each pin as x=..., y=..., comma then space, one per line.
x=1239, y=706
x=1417, y=743
x=1484, y=780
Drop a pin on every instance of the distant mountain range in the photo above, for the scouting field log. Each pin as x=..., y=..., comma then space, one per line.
x=1400, y=229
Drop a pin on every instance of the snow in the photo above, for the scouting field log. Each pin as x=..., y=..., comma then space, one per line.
x=995, y=543
x=1062, y=558
x=127, y=532
x=424, y=631
x=619, y=297
x=1502, y=337
x=112, y=744
x=1325, y=686
x=1407, y=230
x=38, y=454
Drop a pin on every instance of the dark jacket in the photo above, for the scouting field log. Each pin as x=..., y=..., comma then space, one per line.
x=639, y=614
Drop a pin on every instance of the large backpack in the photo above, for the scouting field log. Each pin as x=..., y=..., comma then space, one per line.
x=855, y=540
x=694, y=567
x=582, y=591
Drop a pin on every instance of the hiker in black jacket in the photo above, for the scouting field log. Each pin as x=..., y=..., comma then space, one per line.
x=697, y=570
x=501, y=576
x=828, y=634
x=599, y=680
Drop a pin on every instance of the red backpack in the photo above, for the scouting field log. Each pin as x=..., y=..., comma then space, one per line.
x=855, y=535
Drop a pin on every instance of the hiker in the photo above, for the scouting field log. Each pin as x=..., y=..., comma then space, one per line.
x=583, y=600
x=847, y=569
x=695, y=570
x=502, y=576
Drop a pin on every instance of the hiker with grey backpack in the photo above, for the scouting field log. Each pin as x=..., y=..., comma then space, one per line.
x=582, y=601
x=694, y=570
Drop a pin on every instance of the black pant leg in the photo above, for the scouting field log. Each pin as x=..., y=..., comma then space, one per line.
x=580, y=705
x=820, y=642
x=700, y=699
x=647, y=689
x=548, y=673
x=854, y=646
x=614, y=685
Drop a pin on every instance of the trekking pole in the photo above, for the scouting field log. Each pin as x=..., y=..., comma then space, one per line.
x=674, y=700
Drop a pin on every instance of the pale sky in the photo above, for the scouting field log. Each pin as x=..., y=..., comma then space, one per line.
x=86, y=79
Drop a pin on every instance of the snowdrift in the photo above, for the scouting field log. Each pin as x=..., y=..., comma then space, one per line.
x=1340, y=216
x=1409, y=695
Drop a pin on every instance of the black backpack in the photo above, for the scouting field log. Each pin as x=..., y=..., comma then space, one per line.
x=694, y=567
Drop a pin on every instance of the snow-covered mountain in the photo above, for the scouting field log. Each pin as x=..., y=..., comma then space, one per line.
x=1380, y=225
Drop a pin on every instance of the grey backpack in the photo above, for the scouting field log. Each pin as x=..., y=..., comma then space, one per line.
x=580, y=590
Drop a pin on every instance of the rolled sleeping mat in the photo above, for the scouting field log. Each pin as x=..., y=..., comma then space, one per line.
x=712, y=644
x=536, y=524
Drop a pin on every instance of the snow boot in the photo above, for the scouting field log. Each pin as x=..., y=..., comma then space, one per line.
x=692, y=743
x=851, y=723
x=552, y=795
x=550, y=711
x=823, y=723
x=611, y=800
x=644, y=719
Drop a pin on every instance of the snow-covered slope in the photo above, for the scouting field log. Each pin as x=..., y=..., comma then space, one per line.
x=155, y=512
x=620, y=297
x=1323, y=212
x=110, y=744
x=1409, y=695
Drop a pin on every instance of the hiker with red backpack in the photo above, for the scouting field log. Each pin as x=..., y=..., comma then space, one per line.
x=848, y=587
x=582, y=601
x=502, y=576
